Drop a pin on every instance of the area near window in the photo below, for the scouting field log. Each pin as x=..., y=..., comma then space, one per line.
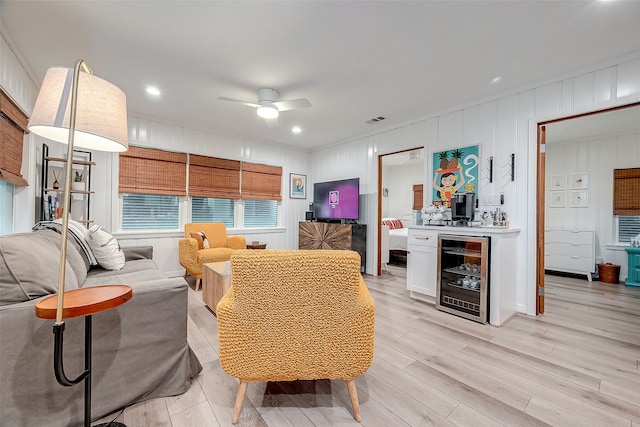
x=238, y=194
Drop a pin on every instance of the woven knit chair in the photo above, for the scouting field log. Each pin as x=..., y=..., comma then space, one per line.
x=295, y=315
x=221, y=246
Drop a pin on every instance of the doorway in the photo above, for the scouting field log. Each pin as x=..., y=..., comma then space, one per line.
x=587, y=147
x=398, y=173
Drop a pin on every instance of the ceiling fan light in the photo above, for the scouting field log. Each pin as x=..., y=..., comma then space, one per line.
x=268, y=112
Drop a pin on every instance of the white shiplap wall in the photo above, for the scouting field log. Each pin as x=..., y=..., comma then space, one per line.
x=400, y=179
x=500, y=126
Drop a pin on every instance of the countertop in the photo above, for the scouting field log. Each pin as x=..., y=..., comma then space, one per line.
x=477, y=230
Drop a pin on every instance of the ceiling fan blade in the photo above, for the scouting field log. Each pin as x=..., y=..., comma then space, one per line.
x=248, y=104
x=293, y=104
x=272, y=123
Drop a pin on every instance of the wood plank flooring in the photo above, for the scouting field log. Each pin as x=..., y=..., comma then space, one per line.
x=576, y=365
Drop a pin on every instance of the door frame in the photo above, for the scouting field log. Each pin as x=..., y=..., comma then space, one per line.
x=379, y=222
x=540, y=190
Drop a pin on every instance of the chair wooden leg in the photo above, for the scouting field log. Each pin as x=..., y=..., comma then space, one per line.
x=197, y=284
x=242, y=389
x=353, y=394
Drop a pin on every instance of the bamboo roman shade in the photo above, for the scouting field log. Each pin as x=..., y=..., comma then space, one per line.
x=626, y=191
x=214, y=177
x=418, y=195
x=13, y=124
x=261, y=182
x=150, y=171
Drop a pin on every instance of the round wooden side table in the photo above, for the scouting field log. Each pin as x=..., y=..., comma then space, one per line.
x=256, y=245
x=83, y=302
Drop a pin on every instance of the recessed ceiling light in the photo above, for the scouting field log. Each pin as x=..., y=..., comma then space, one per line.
x=152, y=90
x=296, y=129
x=496, y=80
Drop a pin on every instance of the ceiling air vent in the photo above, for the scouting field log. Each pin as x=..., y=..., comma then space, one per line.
x=375, y=119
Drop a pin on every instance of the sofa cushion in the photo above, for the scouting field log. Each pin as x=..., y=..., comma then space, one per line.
x=29, y=266
x=133, y=271
x=201, y=238
x=105, y=248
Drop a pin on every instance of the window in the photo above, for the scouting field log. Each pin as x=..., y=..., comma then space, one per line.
x=628, y=227
x=260, y=213
x=209, y=209
x=151, y=183
x=6, y=208
x=150, y=211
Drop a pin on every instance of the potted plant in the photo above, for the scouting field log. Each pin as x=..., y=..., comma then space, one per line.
x=78, y=181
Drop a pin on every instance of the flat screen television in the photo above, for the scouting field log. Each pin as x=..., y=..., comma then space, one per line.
x=336, y=200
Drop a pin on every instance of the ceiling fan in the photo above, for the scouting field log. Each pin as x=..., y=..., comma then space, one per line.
x=268, y=107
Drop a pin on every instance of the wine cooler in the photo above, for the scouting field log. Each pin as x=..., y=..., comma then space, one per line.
x=463, y=276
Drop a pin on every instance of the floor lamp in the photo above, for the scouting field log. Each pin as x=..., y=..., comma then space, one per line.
x=79, y=109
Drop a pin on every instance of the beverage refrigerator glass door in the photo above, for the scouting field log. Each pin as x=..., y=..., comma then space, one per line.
x=463, y=276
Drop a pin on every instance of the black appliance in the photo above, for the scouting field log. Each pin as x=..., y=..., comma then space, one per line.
x=463, y=207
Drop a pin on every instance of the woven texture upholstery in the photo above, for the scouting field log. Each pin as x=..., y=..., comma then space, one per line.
x=296, y=315
x=220, y=249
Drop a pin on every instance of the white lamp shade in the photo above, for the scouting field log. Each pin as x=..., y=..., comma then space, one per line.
x=268, y=111
x=101, y=112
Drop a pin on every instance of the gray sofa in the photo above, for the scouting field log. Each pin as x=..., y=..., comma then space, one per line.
x=140, y=348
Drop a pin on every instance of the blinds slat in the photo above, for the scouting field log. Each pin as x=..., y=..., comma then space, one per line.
x=213, y=210
x=144, y=211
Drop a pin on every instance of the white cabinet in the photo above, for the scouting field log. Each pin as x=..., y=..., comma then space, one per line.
x=422, y=259
x=422, y=266
x=570, y=251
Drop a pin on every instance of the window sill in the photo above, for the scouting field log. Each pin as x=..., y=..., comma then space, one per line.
x=617, y=246
x=148, y=234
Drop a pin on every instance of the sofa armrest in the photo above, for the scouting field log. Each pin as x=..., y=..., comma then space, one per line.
x=236, y=242
x=138, y=252
x=140, y=351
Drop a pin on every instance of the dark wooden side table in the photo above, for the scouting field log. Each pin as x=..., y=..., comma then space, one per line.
x=83, y=302
x=256, y=245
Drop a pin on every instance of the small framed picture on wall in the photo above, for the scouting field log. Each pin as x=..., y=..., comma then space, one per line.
x=297, y=186
x=579, y=181
x=579, y=199
x=558, y=182
x=557, y=199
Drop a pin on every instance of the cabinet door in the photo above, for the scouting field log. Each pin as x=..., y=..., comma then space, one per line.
x=422, y=269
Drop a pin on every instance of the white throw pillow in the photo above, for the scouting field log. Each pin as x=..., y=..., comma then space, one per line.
x=105, y=248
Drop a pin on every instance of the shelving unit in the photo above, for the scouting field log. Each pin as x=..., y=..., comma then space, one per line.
x=80, y=198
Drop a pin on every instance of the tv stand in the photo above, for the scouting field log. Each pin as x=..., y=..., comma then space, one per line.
x=325, y=235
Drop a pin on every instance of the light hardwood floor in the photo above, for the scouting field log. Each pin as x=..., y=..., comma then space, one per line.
x=576, y=365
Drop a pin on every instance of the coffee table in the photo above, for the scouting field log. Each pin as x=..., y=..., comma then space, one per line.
x=216, y=281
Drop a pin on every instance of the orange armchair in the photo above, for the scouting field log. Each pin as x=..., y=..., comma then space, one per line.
x=221, y=246
x=296, y=315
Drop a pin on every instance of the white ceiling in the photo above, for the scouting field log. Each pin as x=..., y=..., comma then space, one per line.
x=353, y=60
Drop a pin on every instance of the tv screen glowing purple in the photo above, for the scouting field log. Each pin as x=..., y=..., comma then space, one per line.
x=336, y=199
